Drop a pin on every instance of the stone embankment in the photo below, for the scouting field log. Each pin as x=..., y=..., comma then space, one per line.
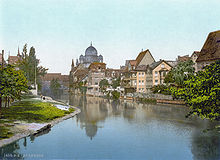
x=28, y=129
x=160, y=98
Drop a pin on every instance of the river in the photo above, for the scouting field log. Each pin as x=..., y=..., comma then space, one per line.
x=107, y=129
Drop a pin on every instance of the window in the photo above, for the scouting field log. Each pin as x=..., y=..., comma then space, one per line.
x=156, y=73
x=142, y=82
x=139, y=82
x=142, y=73
x=96, y=83
x=139, y=73
x=156, y=82
x=162, y=66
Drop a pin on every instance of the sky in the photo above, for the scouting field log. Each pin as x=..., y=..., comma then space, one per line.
x=61, y=30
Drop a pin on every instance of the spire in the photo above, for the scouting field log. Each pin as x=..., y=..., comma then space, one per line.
x=72, y=63
x=91, y=43
x=18, y=52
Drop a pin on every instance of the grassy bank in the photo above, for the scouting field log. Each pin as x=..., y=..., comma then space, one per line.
x=30, y=111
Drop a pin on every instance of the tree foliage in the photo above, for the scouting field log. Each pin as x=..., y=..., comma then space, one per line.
x=202, y=92
x=30, y=65
x=103, y=84
x=116, y=83
x=13, y=83
x=180, y=73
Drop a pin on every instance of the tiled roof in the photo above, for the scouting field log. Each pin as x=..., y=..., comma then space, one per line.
x=94, y=65
x=13, y=59
x=141, y=56
x=133, y=62
x=195, y=52
x=155, y=64
x=141, y=68
x=211, y=49
x=183, y=58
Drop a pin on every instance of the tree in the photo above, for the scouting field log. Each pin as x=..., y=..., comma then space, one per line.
x=13, y=83
x=180, y=73
x=116, y=83
x=30, y=65
x=202, y=92
x=55, y=87
x=103, y=84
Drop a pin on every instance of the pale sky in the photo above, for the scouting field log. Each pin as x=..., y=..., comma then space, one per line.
x=61, y=30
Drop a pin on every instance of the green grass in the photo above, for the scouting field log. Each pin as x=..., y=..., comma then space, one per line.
x=32, y=111
x=4, y=130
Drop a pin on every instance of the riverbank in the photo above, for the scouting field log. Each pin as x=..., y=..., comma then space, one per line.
x=31, y=120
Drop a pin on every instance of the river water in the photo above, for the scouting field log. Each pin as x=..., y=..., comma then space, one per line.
x=121, y=130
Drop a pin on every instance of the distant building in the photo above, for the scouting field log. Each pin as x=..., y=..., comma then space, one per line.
x=95, y=75
x=183, y=58
x=91, y=55
x=13, y=60
x=47, y=78
x=210, y=51
x=1, y=60
x=194, y=57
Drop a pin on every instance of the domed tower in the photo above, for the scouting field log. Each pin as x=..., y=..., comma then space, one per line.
x=91, y=55
x=81, y=59
x=100, y=58
x=91, y=51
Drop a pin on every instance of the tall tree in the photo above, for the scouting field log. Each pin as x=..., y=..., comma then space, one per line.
x=30, y=65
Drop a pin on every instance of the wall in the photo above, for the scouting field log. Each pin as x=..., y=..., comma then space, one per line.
x=158, y=77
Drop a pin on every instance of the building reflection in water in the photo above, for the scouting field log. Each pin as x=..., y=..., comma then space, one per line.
x=95, y=110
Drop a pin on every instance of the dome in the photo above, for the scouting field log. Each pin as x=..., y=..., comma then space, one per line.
x=91, y=51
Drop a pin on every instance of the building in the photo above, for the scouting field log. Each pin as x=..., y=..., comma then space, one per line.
x=131, y=77
x=210, y=51
x=183, y=58
x=2, y=59
x=47, y=78
x=96, y=74
x=144, y=78
x=159, y=71
x=194, y=57
x=91, y=55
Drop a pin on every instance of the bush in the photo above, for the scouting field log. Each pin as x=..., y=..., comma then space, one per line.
x=115, y=95
x=162, y=89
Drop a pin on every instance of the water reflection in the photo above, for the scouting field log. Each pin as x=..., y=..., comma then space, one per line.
x=106, y=129
x=95, y=110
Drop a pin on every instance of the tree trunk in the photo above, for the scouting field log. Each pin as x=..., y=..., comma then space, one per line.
x=6, y=102
x=0, y=102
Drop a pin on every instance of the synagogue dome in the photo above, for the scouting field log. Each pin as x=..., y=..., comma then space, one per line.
x=91, y=51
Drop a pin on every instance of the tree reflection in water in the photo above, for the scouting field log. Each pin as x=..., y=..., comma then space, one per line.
x=95, y=110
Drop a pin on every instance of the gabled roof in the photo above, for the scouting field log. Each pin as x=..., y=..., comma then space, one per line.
x=95, y=64
x=141, y=56
x=142, y=67
x=211, y=49
x=196, y=53
x=155, y=64
x=132, y=62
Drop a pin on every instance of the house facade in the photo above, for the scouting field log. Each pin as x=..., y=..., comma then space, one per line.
x=159, y=71
x=210, y=51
